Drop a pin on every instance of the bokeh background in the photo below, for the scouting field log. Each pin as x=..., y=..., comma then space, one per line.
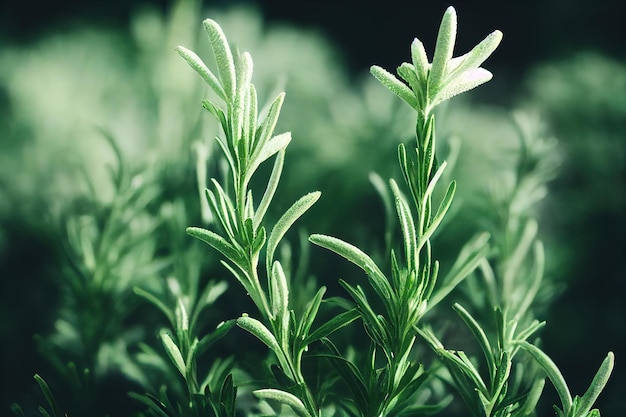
x=69, y=67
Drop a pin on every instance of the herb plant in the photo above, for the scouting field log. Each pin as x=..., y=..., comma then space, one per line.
x=309, y=369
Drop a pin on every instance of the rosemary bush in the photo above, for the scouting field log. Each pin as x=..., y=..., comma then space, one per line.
x=383, y=341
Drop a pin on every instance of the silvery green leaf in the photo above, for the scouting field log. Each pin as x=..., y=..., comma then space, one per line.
x=259, y=330
x=271, y=147
x=462, y=83
x=249, y=128
x=242, y=92
x=407, y=225
x=287, y=220
x=199, y=66
x=597, y=385
x=394, y=85
x=335, y=323
x=266, y=129
x=443, y=51
x=173, y=351
x=223, y=57
x=439, y=215
x=480, y=336
x=420, y=60
x=360, y=259
x=217, y=242
x=272, y=184
x=279, y=298
x=284, y=398
x=470, y=256
x=554, y=374
x=310, y=313
x=182, y=318
x=478, y=54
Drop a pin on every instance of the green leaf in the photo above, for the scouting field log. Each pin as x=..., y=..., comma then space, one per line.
x=217, y=242
x=249, y=127
x=172, y=351
x=271, y=147
x=530, y=404
x=394, y=85
x=441, y=212
x=153, y=403
x=469, y=258
x=407, y=225
x=478, y=54
x=223, y=57
x=208, y=339
x=339, y=321
x=374, y=324
x=258, y=329
x=45, y=389
x=554, y=374
x=350, y=374
x=286, y=221
x=156, y=301
x=463, y=82
x=420, y=61
x=272, y=185
x=265, y=131
x=218, y=113
x=199, y=66
x=242, y=93
x=284, y=398
x=309, y=315
x=443, y=51
x=360, y=259
x=597, y=385
x=279, y=299
x=480, y=336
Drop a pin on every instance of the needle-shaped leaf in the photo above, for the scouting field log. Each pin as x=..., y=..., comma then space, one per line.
x=284, y=398
x=468, y=259
x=223, y=57
x=208, y=339
x=309, y=315
x=332, y=325
x=287, y=220
x=265, y=131
x=407, y=225
x=200, y=67
x=271, y=147
x=279, y=300
x=441, y=212
x=461, y=83
x=217, y=242
x=420, y=60
x=172, y=351
x=597, y=385
x=480, y=336
x=156, y=301
x=478, y=54
x=360, y=259
x=258, y=329
x=47, y=393
x=272, y=184
x=394, y=85
x=443, y=51
x=238, y=113
x=554, y=374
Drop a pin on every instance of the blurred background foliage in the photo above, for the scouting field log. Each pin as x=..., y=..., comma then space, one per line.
x=84, y=74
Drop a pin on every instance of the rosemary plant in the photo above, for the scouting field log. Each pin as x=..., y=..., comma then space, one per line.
x=311, y=371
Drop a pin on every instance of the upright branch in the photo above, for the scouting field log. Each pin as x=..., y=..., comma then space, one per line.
x=412, y=289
